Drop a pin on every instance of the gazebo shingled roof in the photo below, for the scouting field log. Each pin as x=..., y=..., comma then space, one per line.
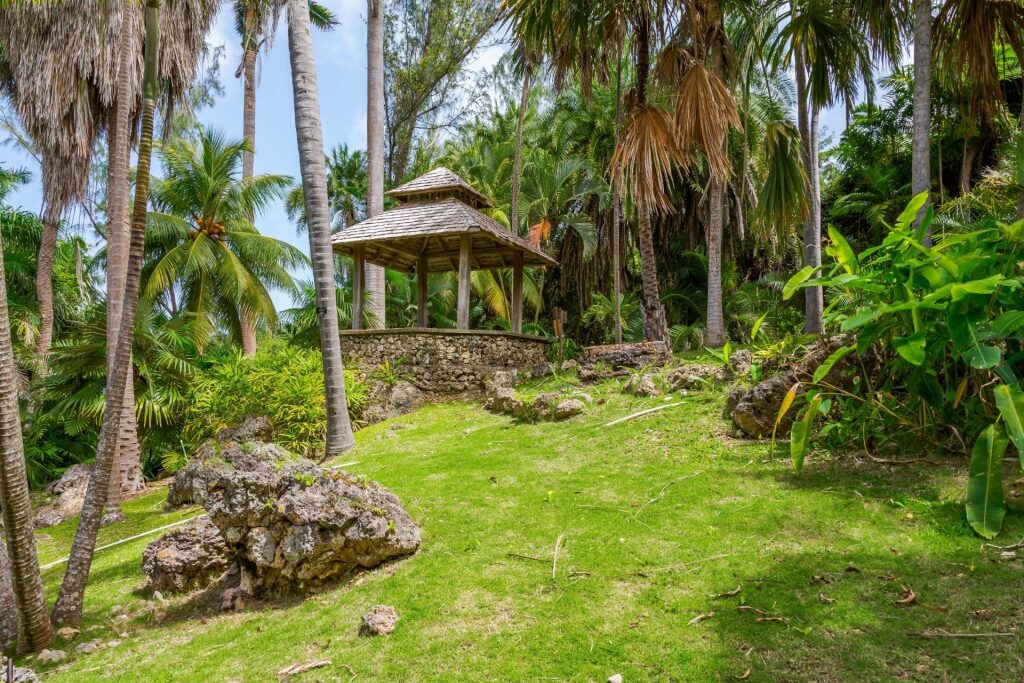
x=430, y=226
x=438, y=227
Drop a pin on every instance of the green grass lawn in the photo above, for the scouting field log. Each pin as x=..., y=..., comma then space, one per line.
x=656, y=516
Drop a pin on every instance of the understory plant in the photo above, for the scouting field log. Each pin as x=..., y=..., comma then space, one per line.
x=935, y=334
x=282, y=382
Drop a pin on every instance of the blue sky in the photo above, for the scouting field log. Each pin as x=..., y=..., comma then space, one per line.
x=341, y=75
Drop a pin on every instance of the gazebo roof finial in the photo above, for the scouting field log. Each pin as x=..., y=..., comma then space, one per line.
x=440, y=183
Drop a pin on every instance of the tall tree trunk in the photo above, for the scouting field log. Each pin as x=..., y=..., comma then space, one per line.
x=128, y=479
x=921, y=169
x=35, y=629
x=249, y=110
x=807, y=121
x=655, y=325
x=374, y=278
x=44, y=282
x=248, y=166
x=715, y=333
x=517, y=157
x=967, y=166
x=617, y=210
x=68, y=608
x=8, y=606
x=314, y=185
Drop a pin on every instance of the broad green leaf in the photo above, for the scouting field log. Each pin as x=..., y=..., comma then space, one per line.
x=757, y=325
x=1005, y=324
x=842, y=251
x=830, y=362
x=799, y=277
x=910, y=213
x=787, y=402
x=1010, y=402
x=911, y=348
x=859, y=320
x=987, y=286
x=985, y=504
x=974, y=353
x=800, y=437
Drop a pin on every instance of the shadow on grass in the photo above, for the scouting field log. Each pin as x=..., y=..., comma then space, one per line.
x=822, y=616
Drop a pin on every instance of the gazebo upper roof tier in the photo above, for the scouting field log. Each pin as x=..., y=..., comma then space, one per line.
x=432, y=227
x=440, y=183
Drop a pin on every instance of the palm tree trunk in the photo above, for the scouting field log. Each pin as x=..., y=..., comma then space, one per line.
x=314, y=185
x=967, y=166
x=921, y=171
x=807, y=121
x=44, y=282
x=248, y=167
x=715, y=334
x=36, y=632
x=374, y=278
x=128, y=479
x=655, y=326
x=249, y=110
x=8, y=607
x=517, y=157
x=68, y=609
x=617, y=210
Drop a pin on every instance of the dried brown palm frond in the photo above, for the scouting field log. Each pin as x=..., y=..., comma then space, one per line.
x=705, y=110
x=61, y=59
x=647, y=155
x=966, y=34
x=783, y=199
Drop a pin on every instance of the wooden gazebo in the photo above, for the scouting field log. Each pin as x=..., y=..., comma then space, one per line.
x=438, y=227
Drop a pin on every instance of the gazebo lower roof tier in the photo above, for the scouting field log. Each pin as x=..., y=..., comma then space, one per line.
x=433, y=230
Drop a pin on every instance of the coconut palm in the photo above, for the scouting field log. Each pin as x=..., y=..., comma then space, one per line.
x=314, y=183
x=346, y=190
x=15, y=507
x=8, y=606
x=207, y=258
x=68, y=608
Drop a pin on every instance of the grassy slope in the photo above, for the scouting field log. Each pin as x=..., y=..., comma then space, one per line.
x=658, y=514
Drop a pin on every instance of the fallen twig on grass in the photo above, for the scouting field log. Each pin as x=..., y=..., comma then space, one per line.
x=946, y=634
x=908, y=461
x=517, y=556
x=644, y=412
x=680, y=565
x=699, y=618
x=298, y=668
x=728, y=594
x=554, y=558
x=661, y=493
x=1014, y=546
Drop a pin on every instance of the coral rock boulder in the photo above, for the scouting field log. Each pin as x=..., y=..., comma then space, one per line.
x=187, y=558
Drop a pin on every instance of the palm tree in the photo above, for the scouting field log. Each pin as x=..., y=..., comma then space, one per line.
x=256, y=23
x=68, y=608
x=374, y=277
x=14, y=497
x=207, y=259
x=921, y=168
x=314, y=184
x=346, y=190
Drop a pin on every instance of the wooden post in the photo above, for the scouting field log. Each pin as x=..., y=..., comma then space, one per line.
x=421, y=284
x=517, y=292
x=358, y=276
x=464, y=283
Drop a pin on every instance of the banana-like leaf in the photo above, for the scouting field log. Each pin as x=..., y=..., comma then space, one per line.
x=1010, y=402
x=974, y=353
x=911, y=348
x=800, y=438
x=910, y=213
x=842, y=252
x=757, y=325
x=799, y=277
x=985, y=504
x=787, y=403
x=830, y=362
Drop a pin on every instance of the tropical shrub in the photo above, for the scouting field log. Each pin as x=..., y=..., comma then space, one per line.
x=945, y=324
x=282, y=382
